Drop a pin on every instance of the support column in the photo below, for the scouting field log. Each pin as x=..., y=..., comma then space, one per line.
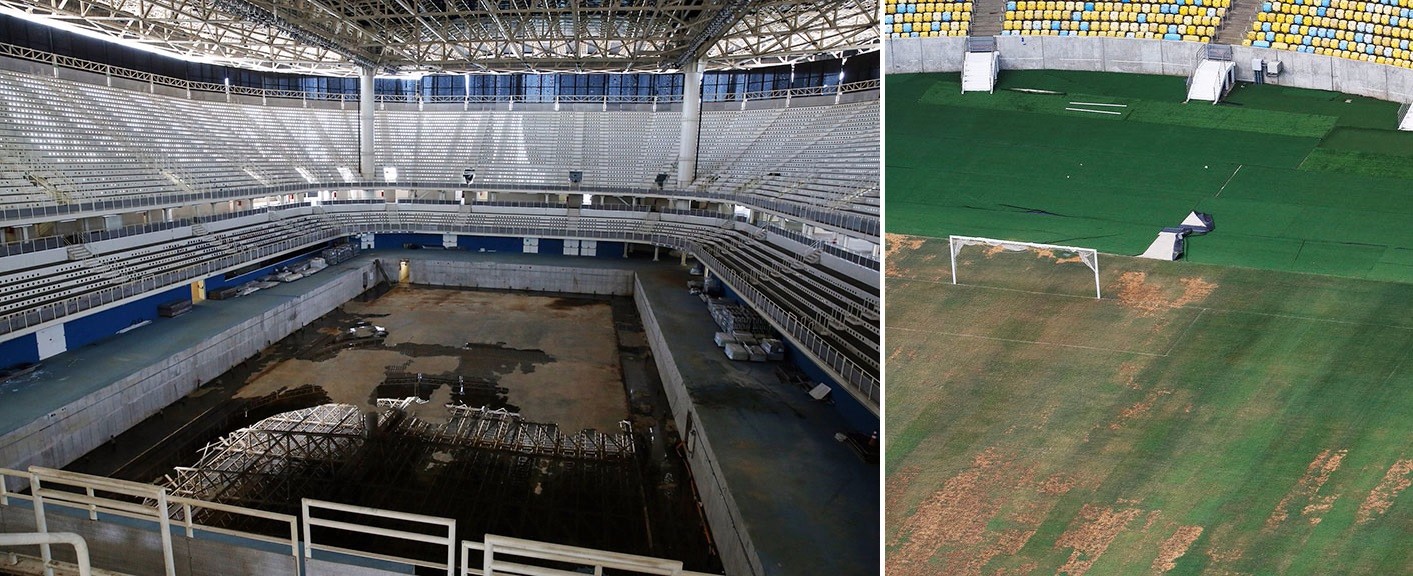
x=691, y=124
x=365, y=124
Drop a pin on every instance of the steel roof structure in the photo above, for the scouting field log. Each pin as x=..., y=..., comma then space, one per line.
x=338, y=37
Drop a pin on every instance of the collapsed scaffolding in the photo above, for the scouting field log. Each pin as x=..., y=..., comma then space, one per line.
x=492, y=470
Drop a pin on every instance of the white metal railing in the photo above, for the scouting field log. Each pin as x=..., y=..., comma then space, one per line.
x=499, y=554
x=43, y=539
x=509, y=556
x=310, y=521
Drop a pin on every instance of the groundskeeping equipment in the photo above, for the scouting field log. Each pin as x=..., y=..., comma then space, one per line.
x=1089, y=256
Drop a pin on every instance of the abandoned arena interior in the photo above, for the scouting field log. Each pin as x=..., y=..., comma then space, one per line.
x=1237, y=398
x=428, y=287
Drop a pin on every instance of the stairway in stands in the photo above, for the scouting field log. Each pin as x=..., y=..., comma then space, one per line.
x=986, y=17
x=1237, y=22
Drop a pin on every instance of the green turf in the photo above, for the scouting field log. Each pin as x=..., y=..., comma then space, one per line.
x=1024, y=416
x=1297, y=180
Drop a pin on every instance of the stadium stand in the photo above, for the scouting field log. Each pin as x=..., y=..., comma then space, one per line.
x=909, y=19
x=1188, y=20
x=1369, y=31
x=94, y=144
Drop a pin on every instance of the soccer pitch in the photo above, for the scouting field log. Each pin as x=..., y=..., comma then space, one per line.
x=1197, y=420
x=1247, y=411
x=1297, y=180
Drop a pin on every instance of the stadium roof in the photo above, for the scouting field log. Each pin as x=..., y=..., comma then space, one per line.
x=336, y=37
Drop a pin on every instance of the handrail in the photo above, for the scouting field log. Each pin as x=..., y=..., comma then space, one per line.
x=153, y=512
x=582, y=558
x=44, y=539
x=308, y=505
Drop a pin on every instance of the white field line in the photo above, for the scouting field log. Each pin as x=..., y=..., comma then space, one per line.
x=1224, y=184
x=1183, y=336
x=1099, y=104
x=1093, y=111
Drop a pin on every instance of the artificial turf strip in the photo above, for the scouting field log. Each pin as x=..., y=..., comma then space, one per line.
x=1035, y=429
x=993, y=165
x=1108, y=108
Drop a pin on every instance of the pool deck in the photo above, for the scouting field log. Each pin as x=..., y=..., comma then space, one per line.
x=809, y=504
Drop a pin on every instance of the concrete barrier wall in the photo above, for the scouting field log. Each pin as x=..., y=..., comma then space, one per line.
x=433, y=272
x=738, y=553
x=1165, y=57
x=64, y=435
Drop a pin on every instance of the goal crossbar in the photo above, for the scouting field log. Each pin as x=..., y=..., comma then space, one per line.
x=1089, y=256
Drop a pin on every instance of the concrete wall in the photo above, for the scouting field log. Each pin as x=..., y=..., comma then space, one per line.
x=64, y=435
x=738, y=554
x=532, y=277
x=1300, y=70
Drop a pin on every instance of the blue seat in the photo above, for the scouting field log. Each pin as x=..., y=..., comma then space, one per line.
x=1343, y=44
x=946, y=16
x=1172, y=37
x=1010, y=5
x=1083, y=26
x=1142, y=18
x=887, y=18
x=936, y=26
x=908, y=27
x=1261, y=44
x=1265, y=26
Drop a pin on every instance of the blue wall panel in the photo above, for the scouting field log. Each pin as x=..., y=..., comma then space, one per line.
x=95, y=327
x=394, y=241
x=22, y=350
x=495, y=244
x=609, y=250
x=552, y=246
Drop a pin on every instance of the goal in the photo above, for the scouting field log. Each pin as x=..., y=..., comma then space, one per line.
x=1088, y=256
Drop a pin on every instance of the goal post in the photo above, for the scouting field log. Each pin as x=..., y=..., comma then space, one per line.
x=1088, y=256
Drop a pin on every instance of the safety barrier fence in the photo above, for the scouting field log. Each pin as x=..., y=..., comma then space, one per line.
x=51, y=494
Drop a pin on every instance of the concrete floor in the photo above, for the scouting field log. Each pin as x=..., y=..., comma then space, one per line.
x=557, y=357
x=811, y=505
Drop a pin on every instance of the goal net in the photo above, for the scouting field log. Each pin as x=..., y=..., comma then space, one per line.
x=1087, y=256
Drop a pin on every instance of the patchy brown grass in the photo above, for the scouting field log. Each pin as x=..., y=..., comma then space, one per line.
x=896, y=245
x=1135, y=291
x=1382, y=496
x=1175, y=547
x=1138, y=409
x=1090, y=535
x=1307, y=490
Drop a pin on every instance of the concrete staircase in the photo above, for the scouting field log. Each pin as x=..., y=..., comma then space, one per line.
x=986, y=17
x=1237, y=22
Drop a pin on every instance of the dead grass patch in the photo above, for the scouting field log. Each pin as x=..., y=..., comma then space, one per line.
x=1135, y=291
x=1090, y=535
x=1138, y=409
x=1307, y=490
x=1382, y=496
x=1175, y=547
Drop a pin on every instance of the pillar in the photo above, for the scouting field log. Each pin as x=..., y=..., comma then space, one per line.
x=691, y=123
x=365, y=124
